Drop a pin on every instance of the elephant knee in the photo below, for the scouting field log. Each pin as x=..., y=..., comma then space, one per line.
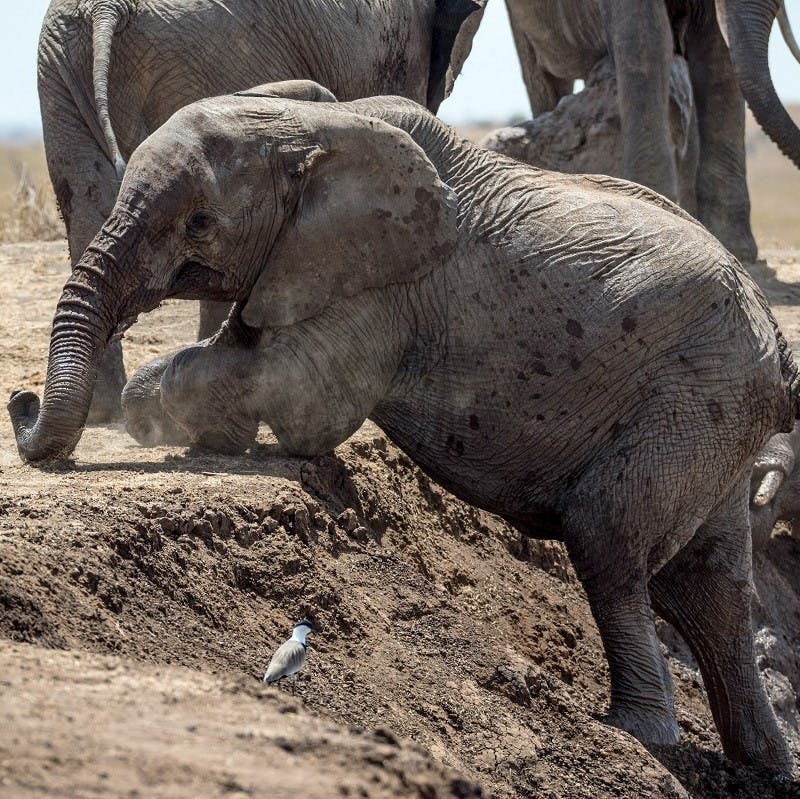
x=204, y=403
x=142, y=411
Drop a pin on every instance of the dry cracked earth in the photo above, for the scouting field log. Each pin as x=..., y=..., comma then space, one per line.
x=142, y=592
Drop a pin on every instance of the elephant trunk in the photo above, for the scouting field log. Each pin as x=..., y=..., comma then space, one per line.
x=87, y=315
x=746, y=26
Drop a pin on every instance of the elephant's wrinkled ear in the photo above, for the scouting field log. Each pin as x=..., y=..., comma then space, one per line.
x=454, y=25
x=372, y=212
x=291, y=90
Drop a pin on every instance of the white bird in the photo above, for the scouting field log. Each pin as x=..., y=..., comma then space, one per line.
x=290, y=655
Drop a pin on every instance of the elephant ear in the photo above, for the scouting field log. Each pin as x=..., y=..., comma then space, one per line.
x=371, y=212
x=291, y=90
x=454, y=25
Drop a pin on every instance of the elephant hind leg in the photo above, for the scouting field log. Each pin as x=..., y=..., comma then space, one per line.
x=611, y=564
x=633, y=508
x=705, y=591
x=642, y=701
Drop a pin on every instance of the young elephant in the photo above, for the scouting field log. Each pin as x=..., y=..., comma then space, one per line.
x=112, y=71
x=573, y=353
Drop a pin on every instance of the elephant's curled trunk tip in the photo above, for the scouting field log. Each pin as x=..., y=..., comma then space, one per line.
x=24, y=408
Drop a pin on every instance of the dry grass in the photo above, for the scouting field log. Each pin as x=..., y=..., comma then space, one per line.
x=28, y=209
x=774, y=190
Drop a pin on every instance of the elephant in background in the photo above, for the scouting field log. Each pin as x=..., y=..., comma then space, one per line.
x=725, y=45
x=574, y=353
x=112, y=71
x=582, y=133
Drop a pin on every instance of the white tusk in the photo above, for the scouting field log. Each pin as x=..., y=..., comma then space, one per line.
x=769, y=487
x=786, y=30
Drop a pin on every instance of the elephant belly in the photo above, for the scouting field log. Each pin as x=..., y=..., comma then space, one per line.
x=565, y=365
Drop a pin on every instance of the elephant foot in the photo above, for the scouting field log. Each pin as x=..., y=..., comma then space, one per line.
x=155, y=431
x=106, y=404
x=655, y=727
x=763, y=747
x=195, y=391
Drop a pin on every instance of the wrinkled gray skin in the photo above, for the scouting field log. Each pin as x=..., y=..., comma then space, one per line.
x=775, y=486
x=573, y=353
x=582, y=133
x=112, y=71
x=559, y=42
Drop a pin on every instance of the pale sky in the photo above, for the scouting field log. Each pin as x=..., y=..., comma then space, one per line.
x=490, y=86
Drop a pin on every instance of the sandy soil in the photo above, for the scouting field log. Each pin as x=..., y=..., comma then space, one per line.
x=142, y=592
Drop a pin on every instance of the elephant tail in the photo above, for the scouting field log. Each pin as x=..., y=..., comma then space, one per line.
x=790, y=373
x=108, y=16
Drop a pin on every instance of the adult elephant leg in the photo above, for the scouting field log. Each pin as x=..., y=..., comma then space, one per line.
x=705, y=592
x=643, y=58
x=85, y=185
x=544, y=90
x=212, y=315
x=723, y=202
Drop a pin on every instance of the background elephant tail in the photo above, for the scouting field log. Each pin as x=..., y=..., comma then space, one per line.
x=454, y=26
x=108, y=16
x=791, y=376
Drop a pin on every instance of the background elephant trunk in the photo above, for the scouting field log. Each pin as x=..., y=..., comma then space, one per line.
x=746, y=26
x=85, y=319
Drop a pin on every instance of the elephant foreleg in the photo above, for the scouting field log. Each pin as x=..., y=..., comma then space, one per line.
x=206, y=391
x=200, y=394
x=704, y=591
x=145, y=419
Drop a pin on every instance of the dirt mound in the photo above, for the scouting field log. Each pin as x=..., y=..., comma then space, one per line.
x=167, y=732
x=438, y=624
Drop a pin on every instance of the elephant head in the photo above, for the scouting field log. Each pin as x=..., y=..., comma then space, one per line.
x=746, y=26
x=245, y=199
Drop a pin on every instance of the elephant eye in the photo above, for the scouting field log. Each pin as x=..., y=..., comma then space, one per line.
x=199, y=223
